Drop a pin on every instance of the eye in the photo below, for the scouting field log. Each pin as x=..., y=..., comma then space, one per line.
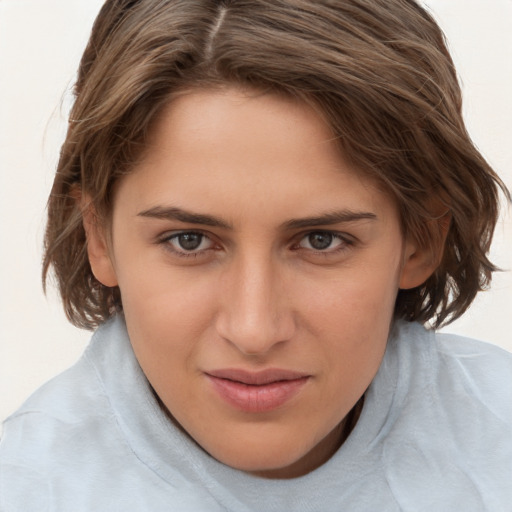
x=325, y=241
x=188, y=242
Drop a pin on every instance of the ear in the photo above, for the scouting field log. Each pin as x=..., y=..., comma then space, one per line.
x=419, y=263
x=98, y=250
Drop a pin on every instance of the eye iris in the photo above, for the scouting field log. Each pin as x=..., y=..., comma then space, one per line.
x=190, y=241
x=320, y=240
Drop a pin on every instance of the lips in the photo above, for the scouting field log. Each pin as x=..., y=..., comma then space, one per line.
x=257, y=391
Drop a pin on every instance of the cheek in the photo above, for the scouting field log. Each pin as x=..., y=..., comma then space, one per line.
x=168, y=304
x=351, y=316
x=170, y=318
x=352, y=297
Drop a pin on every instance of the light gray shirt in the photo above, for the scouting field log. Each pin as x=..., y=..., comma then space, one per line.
x=435, y=434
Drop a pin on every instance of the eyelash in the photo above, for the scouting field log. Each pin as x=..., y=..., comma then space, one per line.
x=345, y=242
x=166, y=242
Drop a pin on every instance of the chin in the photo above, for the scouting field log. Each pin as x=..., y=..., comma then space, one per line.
x=277, y=456
x=265, y=464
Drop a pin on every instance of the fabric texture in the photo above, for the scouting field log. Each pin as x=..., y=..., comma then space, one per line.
x=435, y=433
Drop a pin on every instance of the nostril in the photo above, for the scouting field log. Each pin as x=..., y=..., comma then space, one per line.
x=252, y=336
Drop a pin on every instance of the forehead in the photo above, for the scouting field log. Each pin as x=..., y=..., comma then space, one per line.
x=247, y=150
x=243, y=117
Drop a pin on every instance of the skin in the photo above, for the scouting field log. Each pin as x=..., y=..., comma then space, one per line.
x=259, y=291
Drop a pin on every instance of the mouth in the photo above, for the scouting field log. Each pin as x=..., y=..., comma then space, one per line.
x=257, y=391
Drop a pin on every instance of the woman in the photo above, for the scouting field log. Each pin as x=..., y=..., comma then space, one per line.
x=258, y=204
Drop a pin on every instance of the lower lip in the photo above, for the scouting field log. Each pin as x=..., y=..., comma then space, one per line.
x=261, y=398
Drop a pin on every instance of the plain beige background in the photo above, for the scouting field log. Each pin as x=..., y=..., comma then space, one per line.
x=40, y=46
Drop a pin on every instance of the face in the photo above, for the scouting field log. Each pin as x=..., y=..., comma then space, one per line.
x=258, y=274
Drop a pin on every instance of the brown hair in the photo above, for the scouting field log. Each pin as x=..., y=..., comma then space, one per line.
x=378, y=70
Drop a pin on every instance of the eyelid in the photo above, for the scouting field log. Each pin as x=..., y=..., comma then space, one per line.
x=166, y=237
x=345, y=239
x=346, y=242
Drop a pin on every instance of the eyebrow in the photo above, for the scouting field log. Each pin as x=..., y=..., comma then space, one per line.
x=327, y=219
x=171, y=213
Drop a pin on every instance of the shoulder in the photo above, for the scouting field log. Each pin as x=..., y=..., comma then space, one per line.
x=449, y=361
x=72, y=397
x=36, y=439
x=66, y=444
x=477, y=370
x=450, y=441
x=469, y=349
x=62, y=409
x=458, y=387
x=66, y=399
x=449, y=375
x=456, y=369
x=54, y=436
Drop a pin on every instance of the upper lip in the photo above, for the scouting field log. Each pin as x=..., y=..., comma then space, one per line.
x=256, y=378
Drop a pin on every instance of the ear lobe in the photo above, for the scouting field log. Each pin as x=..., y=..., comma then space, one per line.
x=97, y=247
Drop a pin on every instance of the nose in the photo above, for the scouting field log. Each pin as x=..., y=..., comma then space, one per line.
x=256, y=312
